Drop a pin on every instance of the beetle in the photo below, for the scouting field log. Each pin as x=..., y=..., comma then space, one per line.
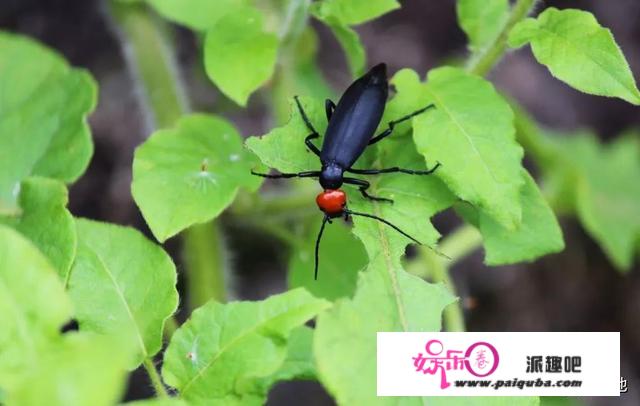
x=351, y=129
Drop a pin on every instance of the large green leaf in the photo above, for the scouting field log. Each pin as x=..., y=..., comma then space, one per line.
x=222, y=354
x=350, y=12
x=196, y=14
x=81, y=369
x=33, y=306
x=239, y=55
x=482, y=20
x=471, y=133
x=342, y=256
x=121, y=283
x=387, y=299
x=43, y=109
x=538, y=234
x=189, y=174
x=46, y=221
x=578, y=51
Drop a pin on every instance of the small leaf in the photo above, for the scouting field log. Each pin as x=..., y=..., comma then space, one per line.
x=189, y=174
x=121, y=283
x=46, y=221
x=81, y=369
x=471, y=133
x=482, y=20
x=33, y=306
x=350, y=42
x=196, y=14
x=224, y=351
x=350, y=12
x=538, y=234
x=239, y=55
x=342, y=256
x=600, y=182
x=43, y=109
x=283, y=148
x=578, y=51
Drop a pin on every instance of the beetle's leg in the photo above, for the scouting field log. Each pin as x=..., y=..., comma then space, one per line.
x=310, y=144
x=392, y=170
x=329, y=107
x=307, y=174
x=314, y=134
x=393, y=123
x=363, y=186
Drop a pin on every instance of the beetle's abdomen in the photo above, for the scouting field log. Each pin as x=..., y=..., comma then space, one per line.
x=354, y=122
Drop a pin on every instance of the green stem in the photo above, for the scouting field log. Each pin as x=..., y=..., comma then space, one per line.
x=484, y=61
x=150, y=56
x=154, y=376
x=208, y=282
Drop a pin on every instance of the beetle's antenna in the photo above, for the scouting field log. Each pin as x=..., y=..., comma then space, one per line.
x=324, y=222
x=355, y=213
x=397, y=229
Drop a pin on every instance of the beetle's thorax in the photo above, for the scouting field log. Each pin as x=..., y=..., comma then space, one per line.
x=331, y=176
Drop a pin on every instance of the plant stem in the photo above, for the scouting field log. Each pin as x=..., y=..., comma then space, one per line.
x=150, y=56
x=154, y=376
x=484, y=61
x=208, y=283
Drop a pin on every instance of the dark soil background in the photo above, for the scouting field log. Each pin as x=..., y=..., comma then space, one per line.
x=577, y=290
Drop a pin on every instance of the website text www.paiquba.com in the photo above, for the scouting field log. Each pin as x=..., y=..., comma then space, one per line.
x=519, y=383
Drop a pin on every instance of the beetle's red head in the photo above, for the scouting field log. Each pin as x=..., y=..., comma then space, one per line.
x=332, y=202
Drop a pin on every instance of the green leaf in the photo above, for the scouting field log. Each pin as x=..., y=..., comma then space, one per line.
x=342, y=256
x=239, y=55
x=189, y=174
x=350, y=12
x=196, y=14
x=82, y=369
x=471, y=133
x=607, y=197
x=601, y=183
x=387, y=299
x=299, y=363
x=158, y=402
x=46, y=221
x=482, y=20
x=43, y=109
x=481, y=401
x=121, y=283
x=578, y=51
x=283, y=148
x=224, y=351
x=33, y=306
x=350, y=43
x=538, y=234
